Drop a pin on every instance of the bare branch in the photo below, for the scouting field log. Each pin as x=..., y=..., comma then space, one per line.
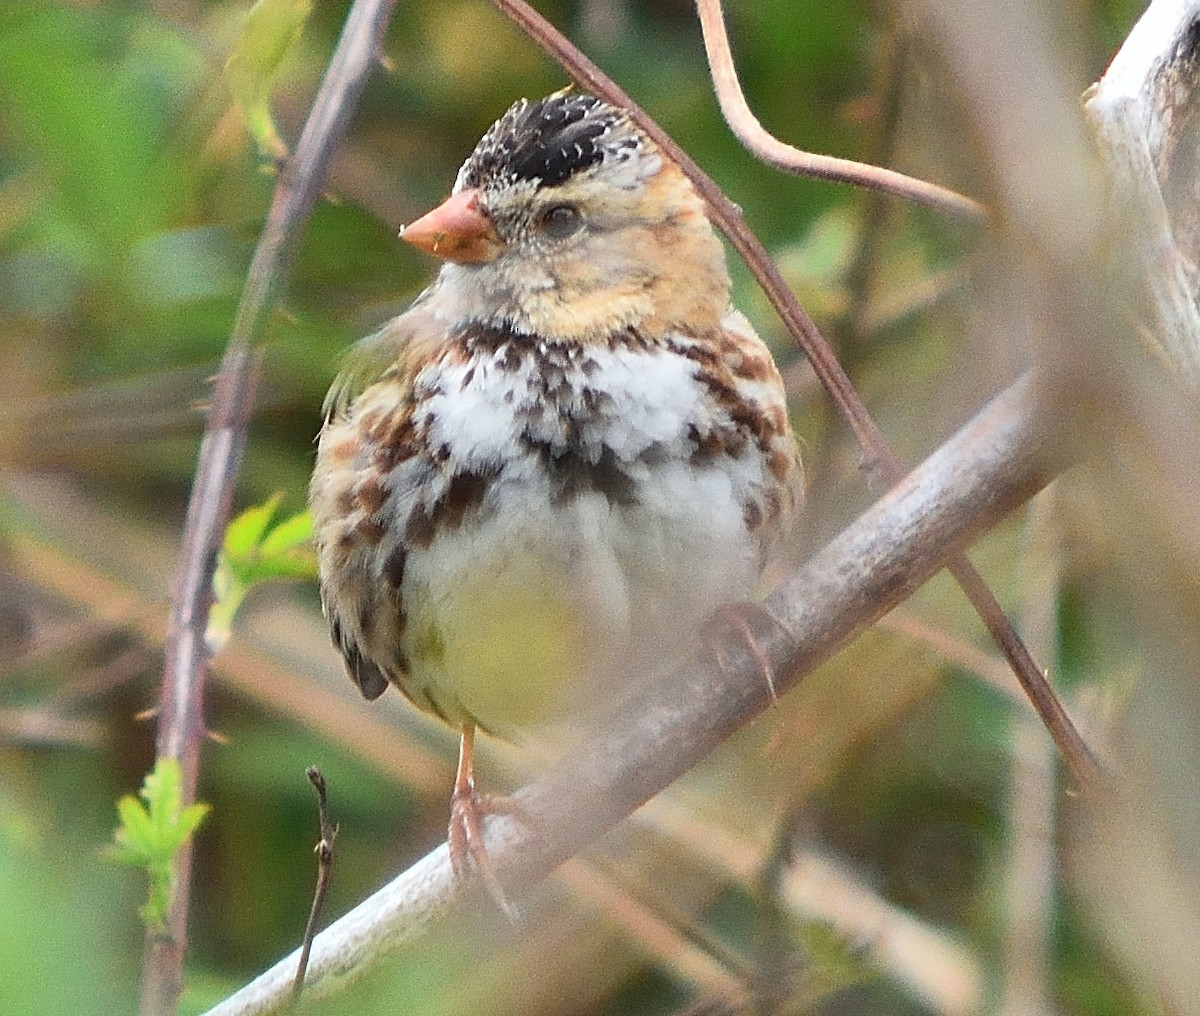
x=991, y=466
x=784, y=157
x=878, y=454
x=181, y=706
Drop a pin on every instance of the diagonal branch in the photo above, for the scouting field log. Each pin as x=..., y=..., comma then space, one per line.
x=990, y=467
x=181, y=706
x=1083, y=766
x=784, y=157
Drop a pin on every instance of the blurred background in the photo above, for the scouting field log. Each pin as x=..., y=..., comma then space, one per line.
x=895, y=838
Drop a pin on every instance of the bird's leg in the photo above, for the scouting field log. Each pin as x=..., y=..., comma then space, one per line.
x=467, y=806
x=466, y=834
x=736, y=618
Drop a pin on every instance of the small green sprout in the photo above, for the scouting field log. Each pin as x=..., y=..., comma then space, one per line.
x=150, y=834
x=254, y=552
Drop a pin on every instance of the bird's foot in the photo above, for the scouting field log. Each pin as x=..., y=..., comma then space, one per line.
x=737, y=620
x=465, y=839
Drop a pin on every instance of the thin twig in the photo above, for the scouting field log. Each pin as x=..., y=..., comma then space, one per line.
x=992, y=465
x=1084, y=768
x=181, y=706
x=324, y=851
x=776, y=153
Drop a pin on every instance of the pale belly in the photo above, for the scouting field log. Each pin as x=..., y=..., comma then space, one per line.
x=546, y=611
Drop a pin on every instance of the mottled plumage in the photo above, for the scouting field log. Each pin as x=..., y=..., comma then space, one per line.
x=547, y=141
x=543, y=477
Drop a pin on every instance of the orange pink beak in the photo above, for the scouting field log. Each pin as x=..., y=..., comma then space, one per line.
x=457, y=230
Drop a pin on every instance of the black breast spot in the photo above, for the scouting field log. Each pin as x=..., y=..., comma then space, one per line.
x=572, y=473
x=393, y=567
x=464, y=493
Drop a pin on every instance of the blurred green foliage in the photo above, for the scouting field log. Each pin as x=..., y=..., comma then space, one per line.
x=131, y=193
x=270, y=32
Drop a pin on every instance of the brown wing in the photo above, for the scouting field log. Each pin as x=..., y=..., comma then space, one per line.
x=359, y=556
x=365, y=673
x=756, y=380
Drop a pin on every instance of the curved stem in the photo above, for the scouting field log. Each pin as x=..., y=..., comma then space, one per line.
x=774, y=152
x=878, y=455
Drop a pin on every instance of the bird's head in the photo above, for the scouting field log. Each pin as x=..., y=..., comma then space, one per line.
x=568, y=222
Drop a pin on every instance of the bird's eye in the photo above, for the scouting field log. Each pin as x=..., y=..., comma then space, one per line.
x=560, y=221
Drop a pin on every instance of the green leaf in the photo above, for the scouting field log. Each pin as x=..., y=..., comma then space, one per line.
x=149, y=835
x=252, y=553
x=246, y=531
x=272, y=29
x=134, y=835
x=289, y=535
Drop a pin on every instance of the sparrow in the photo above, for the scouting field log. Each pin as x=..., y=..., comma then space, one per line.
x=538, y=482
